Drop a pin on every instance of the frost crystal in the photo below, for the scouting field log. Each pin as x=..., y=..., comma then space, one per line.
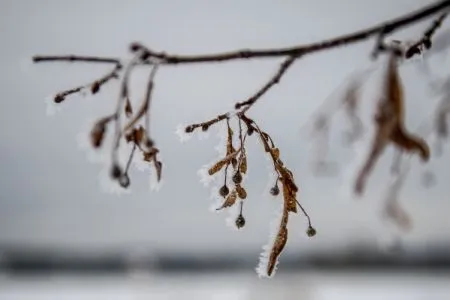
x=205, y=178
x=183, y=136
x=261, y=269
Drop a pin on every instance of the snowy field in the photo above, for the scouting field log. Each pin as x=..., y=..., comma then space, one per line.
x=218, y=286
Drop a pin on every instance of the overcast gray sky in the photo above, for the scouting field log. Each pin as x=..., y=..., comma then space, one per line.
x=49, y=190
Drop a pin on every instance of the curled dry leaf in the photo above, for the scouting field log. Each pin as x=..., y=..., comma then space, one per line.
x=221, y=163
x=280, y=242
x=230, y=200
x=243, y=165
x=241, y=192
x=389, y=122
x=98, y=131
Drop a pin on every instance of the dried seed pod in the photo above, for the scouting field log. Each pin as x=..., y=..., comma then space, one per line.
x=240, y=221
x=311, y=231
x=224, y=191
x=242, y=193
x=275, y=190
x=237, y=177
x=124, y=180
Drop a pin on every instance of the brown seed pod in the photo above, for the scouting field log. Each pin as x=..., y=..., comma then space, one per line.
x=311, y=231
x=240, y=221
x=224, y=191
x=275, y=190
x=237, y=177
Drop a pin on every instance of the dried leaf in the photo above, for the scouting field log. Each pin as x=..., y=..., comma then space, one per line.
x=150, y=154
x=275, y=153
x=411, y=143
x=98, y=131
x=289, y=197
x=278, y=246
x=230, y=200
x=241, y=192
x=221, y=163
x=243, y=166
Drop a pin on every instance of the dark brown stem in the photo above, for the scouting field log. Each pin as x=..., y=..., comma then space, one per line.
x=284, y=66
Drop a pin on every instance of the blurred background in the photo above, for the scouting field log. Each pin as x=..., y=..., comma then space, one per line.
x=67, y=233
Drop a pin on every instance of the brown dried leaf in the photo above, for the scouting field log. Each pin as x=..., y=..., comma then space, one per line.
x=230, y=200
x=243, y=166
x=150, y=155
x=221, y=163
x=98, y=131
x=278, y=246
x=289, y=197
x=241, y=192
x=275, y=153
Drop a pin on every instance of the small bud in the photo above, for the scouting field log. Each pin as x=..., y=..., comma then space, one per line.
x=95, y=87
x=205, y=127
x=59, y=98
x=275, y=190
x=124, y=180
x=224, y=191
x=97, y=134
x=250, y=131
x=311, y=231
x=135, y=47
x=427, y=43
x=240, y=221
x=116, y=171
x=237, y=177
x=189, y=129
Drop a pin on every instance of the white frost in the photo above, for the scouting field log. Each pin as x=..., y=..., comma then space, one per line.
x=261, y=269
x=183, y=136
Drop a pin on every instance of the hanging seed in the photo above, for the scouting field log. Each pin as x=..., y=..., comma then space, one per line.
x=240, y=221
x=275, y=190
x=224, y=191
x=311, y=231
x=237, y=177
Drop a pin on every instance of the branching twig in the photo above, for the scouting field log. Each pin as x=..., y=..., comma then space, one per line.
x=391, y=127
